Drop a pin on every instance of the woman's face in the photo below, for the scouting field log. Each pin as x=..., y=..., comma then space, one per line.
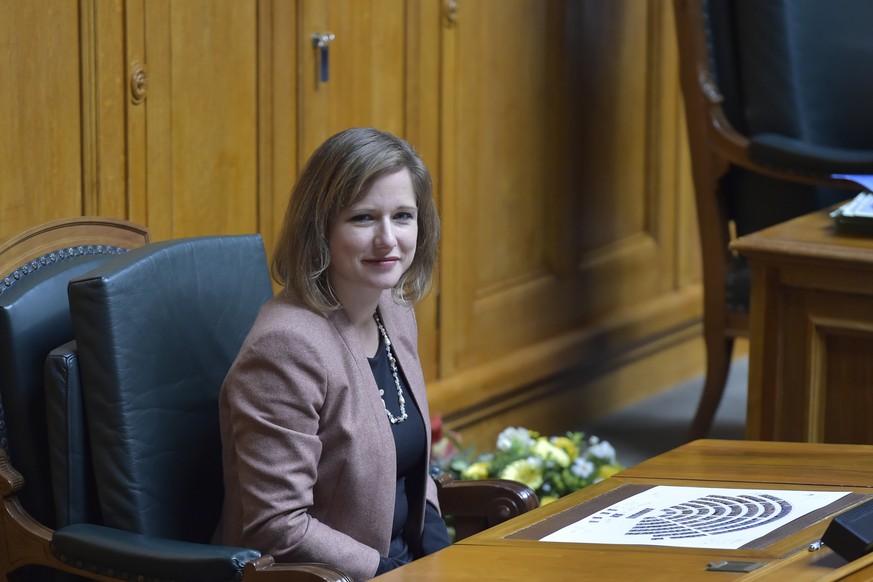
x=372, y=242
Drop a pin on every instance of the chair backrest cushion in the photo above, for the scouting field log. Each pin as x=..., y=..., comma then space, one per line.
x=794, y=65
x=35, y=319
x=157, y=330
x=790, y=67
x=75, y=490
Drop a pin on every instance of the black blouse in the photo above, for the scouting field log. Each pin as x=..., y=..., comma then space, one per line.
x=410, y=443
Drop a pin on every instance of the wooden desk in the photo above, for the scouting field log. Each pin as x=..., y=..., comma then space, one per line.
x=811, y=332
x=490, y=555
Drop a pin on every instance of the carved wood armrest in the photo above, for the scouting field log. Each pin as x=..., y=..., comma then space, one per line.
x=10, y=479
x=478, y=505
x=265, y=569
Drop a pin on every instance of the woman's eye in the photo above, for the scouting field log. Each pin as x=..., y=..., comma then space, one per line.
x=404, y=216
x=361, y=218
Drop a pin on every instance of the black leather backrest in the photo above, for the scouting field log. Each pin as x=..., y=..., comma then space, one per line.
x=34, y=319
x=796, y=68
x=720, y=31
x=801, y=67
x=157, y=331
x=73, y=484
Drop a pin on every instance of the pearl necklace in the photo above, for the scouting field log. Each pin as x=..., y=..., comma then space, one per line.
x=393, y=362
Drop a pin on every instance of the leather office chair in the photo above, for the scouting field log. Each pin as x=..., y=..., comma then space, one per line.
x=51, y=515
x=777, y=99
x=156, y=332
x=139, y=494
x=35, y=267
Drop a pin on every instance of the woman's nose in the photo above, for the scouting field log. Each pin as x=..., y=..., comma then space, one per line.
x=385, y=235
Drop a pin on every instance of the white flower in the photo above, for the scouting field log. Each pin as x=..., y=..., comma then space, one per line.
x=551, y=466
x=535, y=461
x=582, y=468
x=514, y=437
x=602, y=450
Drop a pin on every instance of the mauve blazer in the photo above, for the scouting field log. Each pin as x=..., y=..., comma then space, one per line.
x=309, y=460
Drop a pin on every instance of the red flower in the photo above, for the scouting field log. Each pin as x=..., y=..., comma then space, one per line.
x=436, y=428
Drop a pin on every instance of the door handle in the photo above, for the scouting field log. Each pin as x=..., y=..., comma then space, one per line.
x=321, y=41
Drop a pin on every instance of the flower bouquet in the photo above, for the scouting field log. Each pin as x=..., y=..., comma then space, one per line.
x=551, y=466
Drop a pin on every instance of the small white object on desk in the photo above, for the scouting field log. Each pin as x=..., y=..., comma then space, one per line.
x=860, y=206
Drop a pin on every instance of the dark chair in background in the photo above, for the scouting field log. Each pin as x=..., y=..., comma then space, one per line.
x=133, y=486
x=777, y=99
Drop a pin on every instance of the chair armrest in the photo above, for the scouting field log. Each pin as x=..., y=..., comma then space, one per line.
x=10, y=479
x=796, y=156
x=478, y=505
x=119, y=554
x=264, y=569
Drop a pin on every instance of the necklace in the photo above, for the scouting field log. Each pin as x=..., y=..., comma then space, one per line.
x=393, y=362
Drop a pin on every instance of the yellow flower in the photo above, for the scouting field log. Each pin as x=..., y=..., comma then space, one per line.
x=567, y=445
x=476, y=471
x=607, y=471
x=549, y=452
x=524, y=472
x=546, y=499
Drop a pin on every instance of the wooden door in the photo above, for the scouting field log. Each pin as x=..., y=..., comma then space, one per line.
x=561, y=191
x=365, y=82
x=194, y=137
x=502, y=230
x=383, y=72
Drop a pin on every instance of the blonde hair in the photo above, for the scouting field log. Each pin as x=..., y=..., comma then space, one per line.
x=339, y=173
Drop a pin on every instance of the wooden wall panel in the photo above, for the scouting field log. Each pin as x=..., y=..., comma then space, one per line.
x=422, y=109
x=562, y=145
x=201, y=117
x=277, y=120
x=569, y=270
x=366, y=73
x=517, y=173
x=40, y=105
x=822, y=366
x=104, y=97
x=625, y=152
x=846, y=365
x=594, y=301
x=503, y=138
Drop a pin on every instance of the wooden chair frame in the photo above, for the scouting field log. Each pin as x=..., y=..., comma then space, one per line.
x=715, y=145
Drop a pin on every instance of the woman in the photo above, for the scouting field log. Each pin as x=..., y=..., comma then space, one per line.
x=324, y=418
